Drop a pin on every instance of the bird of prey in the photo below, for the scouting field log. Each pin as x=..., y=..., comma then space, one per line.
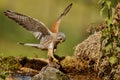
x=49, y=38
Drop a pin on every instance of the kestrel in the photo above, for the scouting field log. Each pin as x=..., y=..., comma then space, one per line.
x=49, y=38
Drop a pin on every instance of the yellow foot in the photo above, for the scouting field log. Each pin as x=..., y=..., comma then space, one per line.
x=55, y=60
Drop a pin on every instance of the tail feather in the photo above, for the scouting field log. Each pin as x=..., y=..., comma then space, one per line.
x=21, y=43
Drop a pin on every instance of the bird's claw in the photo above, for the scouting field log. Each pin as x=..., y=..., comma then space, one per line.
x=52, y=59
x=54, y=63
x=55, y=60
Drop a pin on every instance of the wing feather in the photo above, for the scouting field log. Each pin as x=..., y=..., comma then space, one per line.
x=29, y=23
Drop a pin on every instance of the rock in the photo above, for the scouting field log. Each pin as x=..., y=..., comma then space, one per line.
x=89, y=48
x=50, y=73
x=87, y=53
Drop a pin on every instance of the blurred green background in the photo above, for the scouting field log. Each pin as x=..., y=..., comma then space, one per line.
x=74, y=24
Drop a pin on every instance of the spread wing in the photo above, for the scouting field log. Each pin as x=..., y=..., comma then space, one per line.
x=66, y=10
x=31, y=24
x=55, y=27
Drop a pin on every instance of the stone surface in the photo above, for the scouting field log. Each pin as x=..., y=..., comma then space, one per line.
x=50, y=73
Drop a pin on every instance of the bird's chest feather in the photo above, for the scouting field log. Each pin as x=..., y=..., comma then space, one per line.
x=45, y=41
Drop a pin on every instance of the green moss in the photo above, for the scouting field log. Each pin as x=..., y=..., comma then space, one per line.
x=7, y=65
x=68, y=63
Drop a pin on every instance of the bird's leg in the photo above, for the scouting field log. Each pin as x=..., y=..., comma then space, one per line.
x=32, y=45
x=51, y=53
x=53, y=62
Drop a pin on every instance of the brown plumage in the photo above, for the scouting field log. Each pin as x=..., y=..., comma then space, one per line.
x=28, y=23
x=49, y=39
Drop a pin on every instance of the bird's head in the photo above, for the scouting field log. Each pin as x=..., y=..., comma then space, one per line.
x=60, y=37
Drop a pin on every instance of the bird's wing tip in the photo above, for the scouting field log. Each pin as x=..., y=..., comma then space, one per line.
x=7, y=11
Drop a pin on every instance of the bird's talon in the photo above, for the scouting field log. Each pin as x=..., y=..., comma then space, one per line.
x=55, y=60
